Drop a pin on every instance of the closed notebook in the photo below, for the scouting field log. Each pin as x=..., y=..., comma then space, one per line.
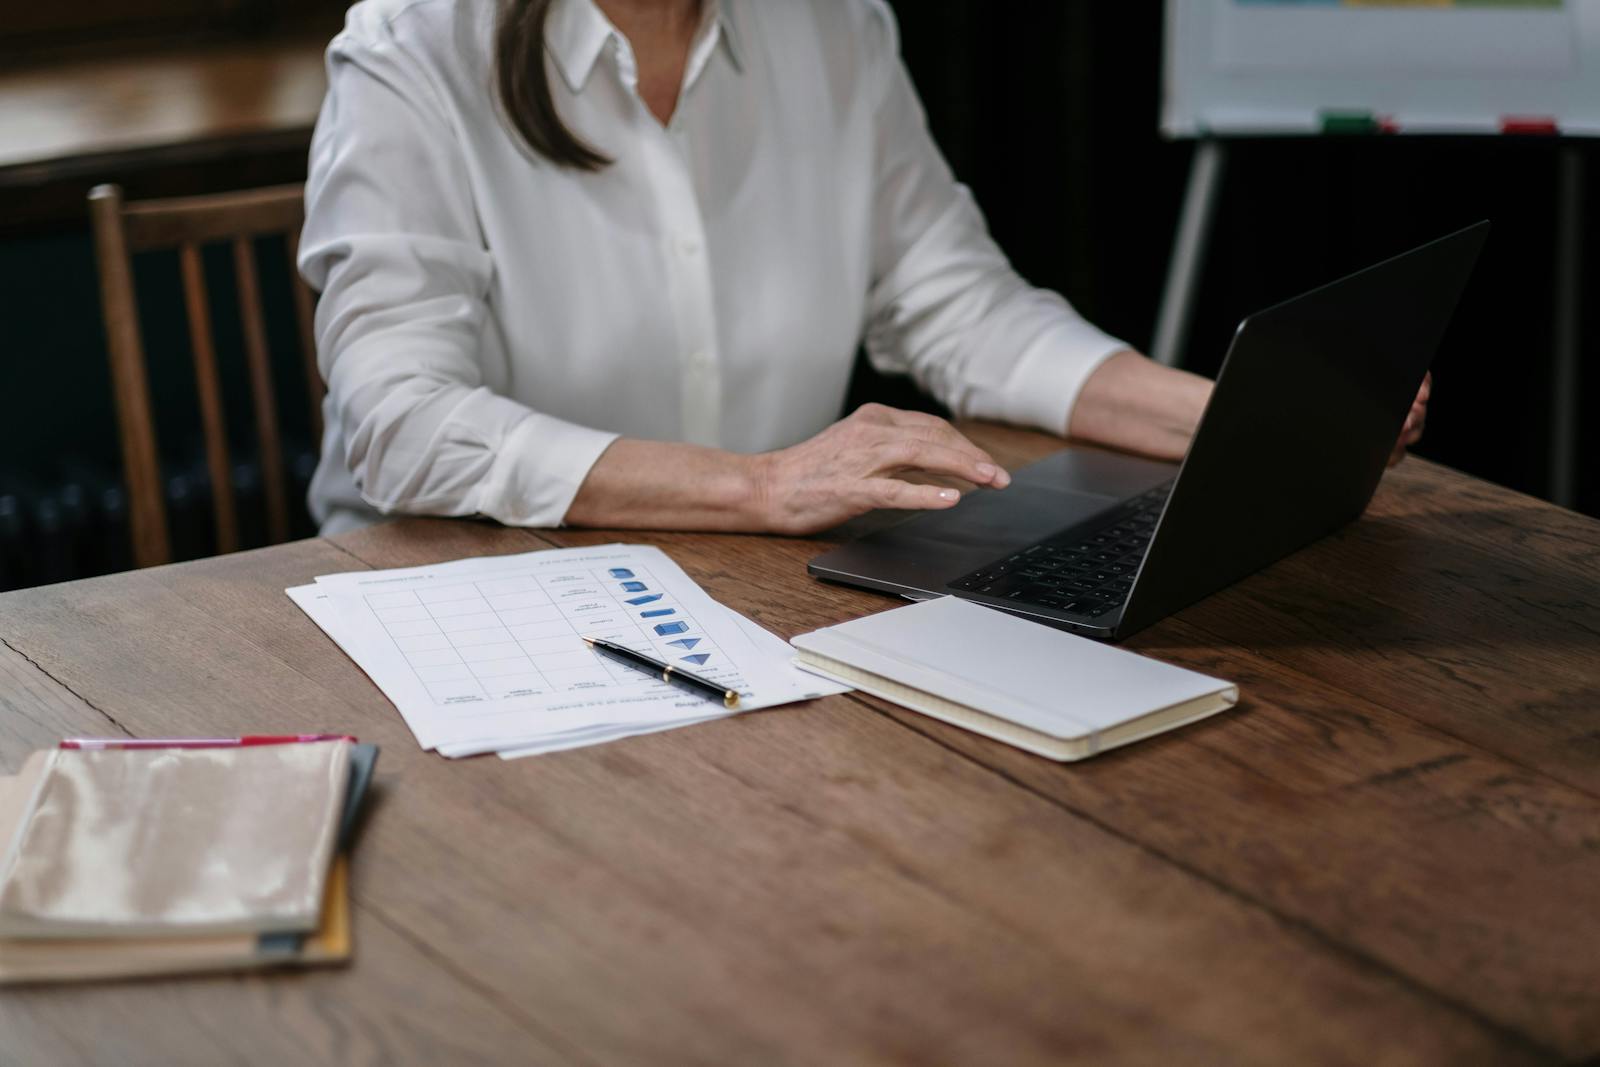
x=1043, y=690
x=165, y=842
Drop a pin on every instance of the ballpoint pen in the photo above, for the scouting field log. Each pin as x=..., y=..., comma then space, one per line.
x=665, y=671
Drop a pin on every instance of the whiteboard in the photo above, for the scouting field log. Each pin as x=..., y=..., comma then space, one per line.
x=1262, y=67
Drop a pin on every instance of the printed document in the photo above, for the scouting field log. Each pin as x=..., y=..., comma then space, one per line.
x=487, y=654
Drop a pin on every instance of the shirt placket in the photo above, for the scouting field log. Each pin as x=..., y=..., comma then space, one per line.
x=689, y=290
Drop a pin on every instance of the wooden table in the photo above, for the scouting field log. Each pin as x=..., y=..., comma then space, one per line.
x=90, y=115
x=194, y=118
x=1390, y=852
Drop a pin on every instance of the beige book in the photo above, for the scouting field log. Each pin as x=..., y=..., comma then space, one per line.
x=171, y=842
x=63, y=960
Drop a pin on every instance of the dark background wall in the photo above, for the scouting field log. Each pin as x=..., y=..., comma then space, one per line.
x=1048, y=111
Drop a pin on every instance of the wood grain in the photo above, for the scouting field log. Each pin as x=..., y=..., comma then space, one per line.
x=818, y=883
x=1328, y=810
x=1326, y=874
x=1461, y=604
x=408, y=1007
x=91, y=108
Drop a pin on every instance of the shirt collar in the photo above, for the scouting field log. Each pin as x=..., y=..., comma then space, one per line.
x=576, y=32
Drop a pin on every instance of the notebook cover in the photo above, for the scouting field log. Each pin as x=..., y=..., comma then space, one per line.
x=15, y=792
x=1074, y=695
x=165, y=842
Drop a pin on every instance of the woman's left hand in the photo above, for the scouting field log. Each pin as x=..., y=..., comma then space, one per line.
x=1411, y=432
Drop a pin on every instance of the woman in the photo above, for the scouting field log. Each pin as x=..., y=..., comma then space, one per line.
x=608, y=262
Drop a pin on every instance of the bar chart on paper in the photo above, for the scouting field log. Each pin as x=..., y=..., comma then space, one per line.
x=488, y=654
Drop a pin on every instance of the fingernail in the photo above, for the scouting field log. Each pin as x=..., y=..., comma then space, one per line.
x=949, y=494
x=1001, y=478
x=987, y=471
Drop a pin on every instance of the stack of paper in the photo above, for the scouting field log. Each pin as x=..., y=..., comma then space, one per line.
x=121, y=862
x=487, y=655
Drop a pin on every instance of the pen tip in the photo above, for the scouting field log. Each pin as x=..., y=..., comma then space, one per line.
x=588, y=641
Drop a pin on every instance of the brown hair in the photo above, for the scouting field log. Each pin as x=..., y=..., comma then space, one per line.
x=525, y=87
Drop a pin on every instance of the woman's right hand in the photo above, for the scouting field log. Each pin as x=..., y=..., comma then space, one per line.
x=855, y=466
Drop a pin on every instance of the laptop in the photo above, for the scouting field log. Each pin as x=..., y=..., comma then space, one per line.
x=1306, y=410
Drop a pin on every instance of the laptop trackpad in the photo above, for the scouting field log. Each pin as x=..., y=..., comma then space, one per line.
x=995, y=521
x=1047, y=497
x=921, y=554
x=1083, y=470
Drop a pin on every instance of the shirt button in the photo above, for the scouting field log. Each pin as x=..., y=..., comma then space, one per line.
x=688, y=247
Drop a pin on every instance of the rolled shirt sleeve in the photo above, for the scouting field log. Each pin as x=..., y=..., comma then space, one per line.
x=391, y=241
x=945, y=305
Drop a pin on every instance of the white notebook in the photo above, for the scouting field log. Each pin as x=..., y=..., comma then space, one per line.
x=1044, y=690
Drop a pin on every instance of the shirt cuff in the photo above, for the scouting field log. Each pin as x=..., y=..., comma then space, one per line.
x=1045, y=382
x=538, y=468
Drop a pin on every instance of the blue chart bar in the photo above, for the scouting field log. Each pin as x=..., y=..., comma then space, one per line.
x=621, y=572
x=634, y=587
x=648, y=599
x=666, y=628
x=657, y=613
x=685, y=642
x=698, y=658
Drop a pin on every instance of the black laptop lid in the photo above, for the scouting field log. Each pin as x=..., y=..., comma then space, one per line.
x=1308, y=405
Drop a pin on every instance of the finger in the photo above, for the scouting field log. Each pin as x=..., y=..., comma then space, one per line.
x=877, y=414
x=904, y=417
x=1397, y=455
x=940, y=433
x=893, y=493
x=912, y=454
x=981, y=470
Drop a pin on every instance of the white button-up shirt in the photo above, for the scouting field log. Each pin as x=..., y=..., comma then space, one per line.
x=490, y=322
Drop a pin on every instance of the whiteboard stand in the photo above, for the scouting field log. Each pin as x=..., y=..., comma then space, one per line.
x=1564, y=398
x=1194, y=236
x=1274, y=68
x=1189, y=251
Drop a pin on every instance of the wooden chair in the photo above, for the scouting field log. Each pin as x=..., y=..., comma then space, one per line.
x=185, y=224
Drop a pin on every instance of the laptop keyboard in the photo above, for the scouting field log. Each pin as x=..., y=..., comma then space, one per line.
x=1086, y=575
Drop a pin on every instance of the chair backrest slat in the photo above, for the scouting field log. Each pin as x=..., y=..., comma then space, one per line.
x=303, y=314
x=260, y=364
x=147, y=513
x=208, y=385
x=202, y=219
x=186, y=224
